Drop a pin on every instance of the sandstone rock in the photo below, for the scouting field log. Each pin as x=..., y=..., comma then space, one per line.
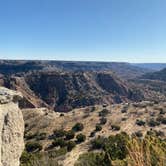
x=11, y=128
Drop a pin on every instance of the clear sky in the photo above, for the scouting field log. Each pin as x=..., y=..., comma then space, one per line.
x=98, y=30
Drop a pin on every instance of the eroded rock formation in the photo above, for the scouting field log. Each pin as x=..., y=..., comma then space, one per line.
x=11, y=128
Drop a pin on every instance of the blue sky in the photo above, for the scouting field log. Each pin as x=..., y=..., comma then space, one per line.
x=98, y=30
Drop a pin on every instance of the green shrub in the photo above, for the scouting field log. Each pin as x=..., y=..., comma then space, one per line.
x=59, y=133
x=41, y=136
x=70, y=134
x=26, y=125
x=103, y=113
x=29, y=159
x=92, y=134
x=161, y=119
x=62, y=115
x=93, y=109
x=140, y=122
x=103, y=121
x=78, y=127
x=30, y=136
x=98, y=127
x=122, y=150
x=33, y=146
x=98, y=143
x=162, y=111
x=94, y=159
x=124, y=110
x=70, y=145
x=59, y=142
x=151, y=133
x=159, y=133
x=37, y=159
x=116, y=146
x=115, y=127
x=80, y=138
x=153, y=123
x=57, y=152
x=137, y=134
x=124, y=119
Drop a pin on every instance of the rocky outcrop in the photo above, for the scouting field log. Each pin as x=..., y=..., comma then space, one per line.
x=11, y=128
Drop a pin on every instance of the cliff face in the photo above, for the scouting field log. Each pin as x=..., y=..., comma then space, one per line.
x=11, y=128
x=66, y=90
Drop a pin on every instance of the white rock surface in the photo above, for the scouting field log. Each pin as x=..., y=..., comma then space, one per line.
x=11, y=128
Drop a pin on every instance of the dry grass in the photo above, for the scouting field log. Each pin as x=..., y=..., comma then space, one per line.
x=147, y=152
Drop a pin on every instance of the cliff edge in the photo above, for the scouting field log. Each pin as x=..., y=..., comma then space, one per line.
x=11, y=128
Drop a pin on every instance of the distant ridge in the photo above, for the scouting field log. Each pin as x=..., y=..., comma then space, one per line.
x=151, y=66
x=159, y=75
x=122, y=69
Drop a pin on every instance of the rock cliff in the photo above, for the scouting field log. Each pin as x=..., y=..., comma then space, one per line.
x=11, y=128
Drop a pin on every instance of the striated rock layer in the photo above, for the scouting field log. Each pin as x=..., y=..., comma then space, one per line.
x=11, y=128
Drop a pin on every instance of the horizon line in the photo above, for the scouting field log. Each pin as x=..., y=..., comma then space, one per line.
x=97, y=61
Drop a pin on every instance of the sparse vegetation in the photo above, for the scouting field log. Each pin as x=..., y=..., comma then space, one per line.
x=162, y=111
x=93, y=159
x=30, y=136
x=161, y=119
x=78, y=127
x=103, y=121
x=70, y=145
x=70, y=134
x=137, y=134
x=41, y=136
x=80, y=138
x=59, y=142
x=98, y=127
x=98, y=143
x=93, y=109
x=59, y=133
x=123, y=150
x=115, y=127
x=103, y=113
x=92, y=134
x=124, y=110
x=113, y=149
x=152, y=123
x=62, y=114
x=33, y=146
x=140, y=122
